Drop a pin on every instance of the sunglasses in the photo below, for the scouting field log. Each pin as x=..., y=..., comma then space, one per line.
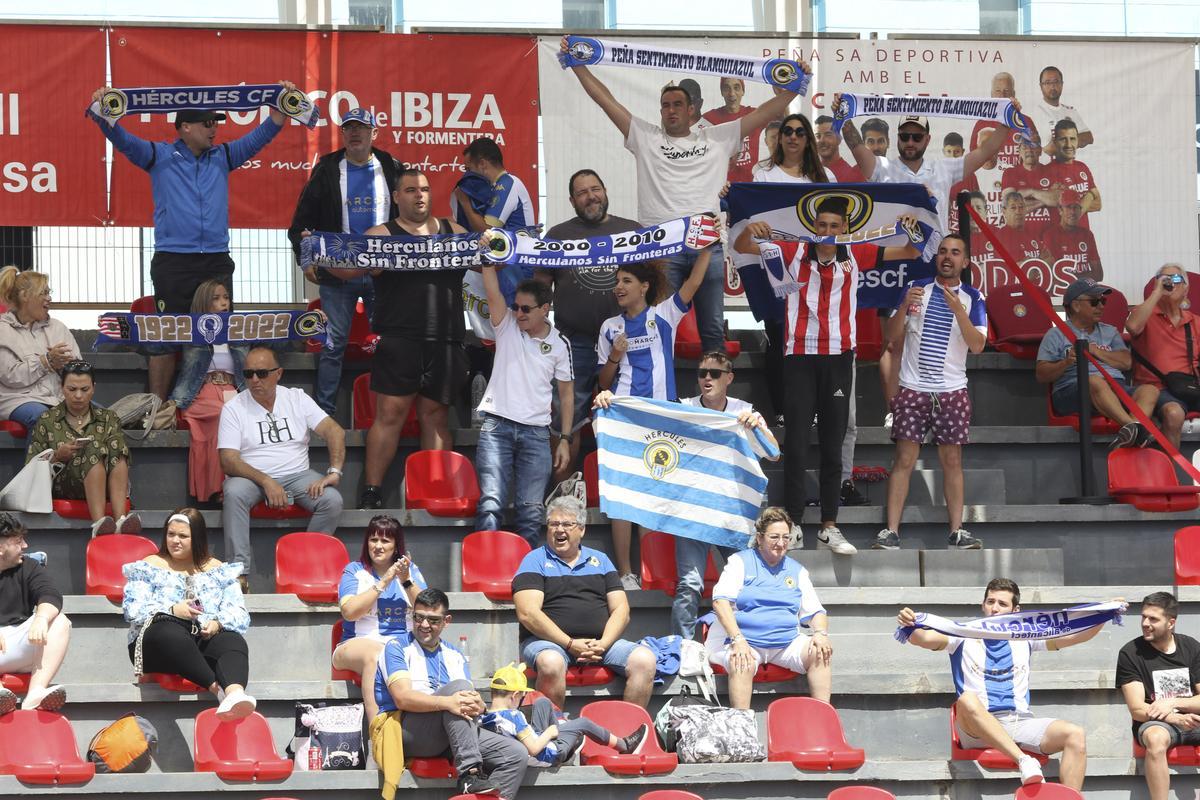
x=911, y=137
x=261, y=374
x=208, y=123
x=711, y=373
x=788, y=130
x=523, y=309
x=77, y=368
x=432, y=620
x=1096, y=301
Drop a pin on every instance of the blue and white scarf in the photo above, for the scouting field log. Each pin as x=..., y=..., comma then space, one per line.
x=1025, y=625
x=116, y=103
x=666, y=239
x=993, y=109
x=230, y=327
x=584, y=51
x=393, y=253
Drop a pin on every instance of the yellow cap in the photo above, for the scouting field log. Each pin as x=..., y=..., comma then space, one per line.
x=510, y=678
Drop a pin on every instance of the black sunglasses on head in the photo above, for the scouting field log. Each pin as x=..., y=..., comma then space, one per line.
x=76, y=368
x=259, y=373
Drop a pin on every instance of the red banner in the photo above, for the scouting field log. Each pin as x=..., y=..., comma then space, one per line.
x=432, y=95
x=51, y=166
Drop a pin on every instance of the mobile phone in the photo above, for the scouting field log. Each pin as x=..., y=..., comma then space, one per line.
x=82, y=440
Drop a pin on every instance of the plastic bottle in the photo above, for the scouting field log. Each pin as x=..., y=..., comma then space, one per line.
x=462, y=646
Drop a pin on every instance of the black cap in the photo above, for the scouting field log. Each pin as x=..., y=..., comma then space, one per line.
x=196, y=115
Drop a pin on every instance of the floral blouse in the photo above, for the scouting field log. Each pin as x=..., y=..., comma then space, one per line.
x=150, y=589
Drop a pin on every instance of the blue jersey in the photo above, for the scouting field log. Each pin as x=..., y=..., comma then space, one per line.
x=769, y=603
x=367, y=195
x=404, y=657
x=997, y=672
x=647, y=368
x=390, y=614
x=512, y=723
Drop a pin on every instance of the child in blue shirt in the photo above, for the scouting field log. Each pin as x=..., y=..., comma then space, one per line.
x=558, y=740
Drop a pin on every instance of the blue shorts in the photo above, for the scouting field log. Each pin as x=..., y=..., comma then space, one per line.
x=1066, y=400
x=1165, y=397
x=615, y=657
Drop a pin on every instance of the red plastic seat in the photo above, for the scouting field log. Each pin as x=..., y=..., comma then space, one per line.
x=1187, y=556
x=39, y=747
x=860, y=793
x=808, y=733
x=340, y=674
x=591, y=478
x=659, y=570
x=581, y=675
x=489, y=562
x=1047, y=791
x=362, y=412
x=869, y=335
x=14, y=429
x=1116, y=311
x=241, y=750
x=264, y=511
x=143, y=305
x=1146, y=479
x=78, y=509
x=766, y=673
x=106, y=555
x=1018, y=324
x=356, y=343
x=441, y=482
x=1179, y=756
x=621, y=719
x=988, y=757
x=309, y=565
x=432, y=768
x=16, y=682
x=669, y=794
x=172, y=682
x=1100, y=424
x=687, y=339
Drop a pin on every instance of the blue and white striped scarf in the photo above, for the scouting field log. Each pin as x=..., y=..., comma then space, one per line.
x=1025, y=625
x=656, y=241
x=992, y=109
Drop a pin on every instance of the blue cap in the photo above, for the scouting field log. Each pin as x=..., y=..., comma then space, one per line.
x=359, y=115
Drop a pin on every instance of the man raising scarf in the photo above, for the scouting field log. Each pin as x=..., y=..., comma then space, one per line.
x=991, y=679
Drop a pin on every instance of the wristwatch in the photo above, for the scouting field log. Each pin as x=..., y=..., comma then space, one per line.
x=334, y=471
x=567, y=437
x=407, y=584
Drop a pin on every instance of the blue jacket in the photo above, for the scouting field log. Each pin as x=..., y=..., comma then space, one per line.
x=191, y=193
x=194, y=367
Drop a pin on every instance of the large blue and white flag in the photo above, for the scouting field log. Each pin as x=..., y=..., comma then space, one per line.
x=791, y=211
x=682, y=470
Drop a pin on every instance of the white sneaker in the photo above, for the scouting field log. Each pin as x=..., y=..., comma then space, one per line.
x=103, y=526
x=130, y=523
x=887, y=421
x=631, y=582
x=1031, y=770
x=236, y=706
x=797, y=538
x=52, y=698
x=831, y=539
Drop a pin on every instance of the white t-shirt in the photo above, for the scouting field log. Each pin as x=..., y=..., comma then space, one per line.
x=938, y=175
x=274, y=442
x=680, y=176
x=997, y=672
x=935, y=351
x=521, y=388
x=222, y=359
x=732, y=404
x=1046, y=116
x=776, y=174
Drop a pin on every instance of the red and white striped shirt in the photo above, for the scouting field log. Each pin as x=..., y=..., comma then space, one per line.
x=820, y=316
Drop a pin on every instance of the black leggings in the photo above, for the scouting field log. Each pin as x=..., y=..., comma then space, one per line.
x=815, y=385
x=168, y=647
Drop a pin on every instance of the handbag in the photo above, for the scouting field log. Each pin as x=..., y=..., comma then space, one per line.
x=32, y=489
x=1183, y=385
x=144, y=412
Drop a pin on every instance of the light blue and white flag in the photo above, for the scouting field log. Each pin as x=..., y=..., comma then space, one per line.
x=681, y=470
x=1027, y=625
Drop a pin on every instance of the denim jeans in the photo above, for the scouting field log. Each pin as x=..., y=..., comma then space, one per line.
x=512, y=457
x=29, y=413
x=583, y=362
x=710, y=297
x=338, y=301
x=691, y=560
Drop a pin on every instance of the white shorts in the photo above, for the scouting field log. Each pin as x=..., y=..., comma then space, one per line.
x=1026, y=730
x=19, y=655
x=791, y=657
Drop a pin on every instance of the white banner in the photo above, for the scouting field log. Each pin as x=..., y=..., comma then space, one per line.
x=1129, y=101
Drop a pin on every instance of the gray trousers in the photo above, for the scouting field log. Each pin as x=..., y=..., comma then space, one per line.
x=242, y=494
x=570, y=732
x=430, y=734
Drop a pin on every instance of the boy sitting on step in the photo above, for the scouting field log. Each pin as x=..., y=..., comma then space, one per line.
x=558, y=741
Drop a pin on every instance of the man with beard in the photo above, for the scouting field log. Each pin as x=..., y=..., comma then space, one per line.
x=941, y=319
x=420, y=358
x=1068, y=173
x=1050, y=110
x=1070, y=240
x=1032, y=180
x=1009, y=155
x=1158, y=674
x=828, y=149
x=583, y=298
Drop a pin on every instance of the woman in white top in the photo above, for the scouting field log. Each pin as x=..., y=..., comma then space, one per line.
x=208, y=378
x=794, y=158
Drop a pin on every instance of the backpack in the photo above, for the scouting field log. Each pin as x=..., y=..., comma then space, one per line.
x=331, y=733
x=662, y=720
x=715, y=735
x=144, y=412
x=127, y=745
x=573, y=486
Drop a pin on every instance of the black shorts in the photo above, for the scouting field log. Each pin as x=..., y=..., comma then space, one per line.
x=401, y=367
x=176, y=277
x=1178, y=736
